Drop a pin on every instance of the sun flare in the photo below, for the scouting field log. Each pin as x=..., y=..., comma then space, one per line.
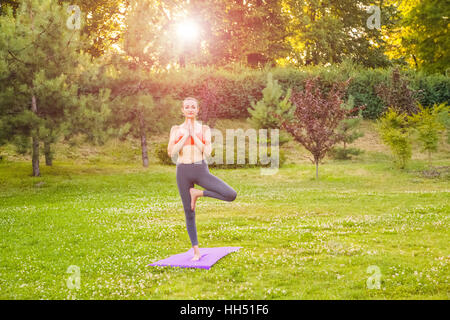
x=188, y=30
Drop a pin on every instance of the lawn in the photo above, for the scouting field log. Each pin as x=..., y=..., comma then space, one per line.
x=301, y=238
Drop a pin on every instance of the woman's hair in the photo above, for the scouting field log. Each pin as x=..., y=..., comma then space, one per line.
x=191, y=99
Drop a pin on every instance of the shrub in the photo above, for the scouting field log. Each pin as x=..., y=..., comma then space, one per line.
x=230, y=93
x=162, y=155
x=395, y=132
x=341, y=153
x=397, y=94
x=427, y=125
x=274, y=101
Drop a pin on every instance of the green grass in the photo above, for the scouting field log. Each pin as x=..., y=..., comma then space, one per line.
x=301, y=238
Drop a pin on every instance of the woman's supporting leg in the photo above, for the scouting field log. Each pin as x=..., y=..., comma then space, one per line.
x=184, y=184
x=215, y=187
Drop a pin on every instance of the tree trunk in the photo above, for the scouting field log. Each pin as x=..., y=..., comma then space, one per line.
x=48, y=153
x=35, y=154
x=182, y=60
x=415, y=62
x=143, y=142
x=429, y=158
x=317, y=169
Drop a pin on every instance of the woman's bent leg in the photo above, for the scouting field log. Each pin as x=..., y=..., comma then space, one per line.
x=215, y=187
x=184, y=184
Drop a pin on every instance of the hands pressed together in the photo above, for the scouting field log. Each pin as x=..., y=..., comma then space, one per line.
x=189, y=131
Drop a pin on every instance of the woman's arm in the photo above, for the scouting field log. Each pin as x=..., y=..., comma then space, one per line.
x=173, y=148
x=204, y=147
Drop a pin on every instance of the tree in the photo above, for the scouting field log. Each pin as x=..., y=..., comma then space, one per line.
x=44, y=63
x=140, y=115
x=316, y=117
x=348, y=129
x=250, y=32
x=427, y=125
x=135, y=110
x=274, y=101
x=421, y=35
x=395, y=132
x=444, y=118
x=331, y=31
x=397, y=94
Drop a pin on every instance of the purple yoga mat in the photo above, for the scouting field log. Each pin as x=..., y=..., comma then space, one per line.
x=208, y=257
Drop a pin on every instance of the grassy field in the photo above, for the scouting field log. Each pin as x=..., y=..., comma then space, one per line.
x=100, y=210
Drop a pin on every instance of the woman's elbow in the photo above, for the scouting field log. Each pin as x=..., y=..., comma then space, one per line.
x=207, y=151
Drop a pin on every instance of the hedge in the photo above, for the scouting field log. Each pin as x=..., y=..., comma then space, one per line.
x=227, y=93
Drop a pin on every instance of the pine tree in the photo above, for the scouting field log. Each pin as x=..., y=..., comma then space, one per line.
x=274, y=102
x=395, y=131
x=42, y=92
x=347, y=129
x=427, y=125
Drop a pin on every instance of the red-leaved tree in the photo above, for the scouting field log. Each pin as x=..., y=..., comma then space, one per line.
x=316, y=117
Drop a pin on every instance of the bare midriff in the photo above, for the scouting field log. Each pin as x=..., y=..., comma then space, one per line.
x=190, y=153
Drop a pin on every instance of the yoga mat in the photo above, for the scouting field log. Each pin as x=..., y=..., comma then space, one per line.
x=208, y=257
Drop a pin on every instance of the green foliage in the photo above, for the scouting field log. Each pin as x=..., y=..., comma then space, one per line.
x=427, y=125
x=105, y=19
x=340, y=153
x=395, y=132
x=272, y=102
x=161, y=154
x=324, y=32
x=444, y=118
x=424, y=34
x=44, y=61
x=431, y=89
x=347, y=128
x=236, y=89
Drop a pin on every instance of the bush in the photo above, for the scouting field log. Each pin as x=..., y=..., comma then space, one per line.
x=428, y=126
x=230, y=93
x=395, y=132
x=162, y=155
x=340, y=153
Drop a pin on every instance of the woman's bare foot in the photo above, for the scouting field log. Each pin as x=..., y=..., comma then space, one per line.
x=196, y=254
x=195, y=193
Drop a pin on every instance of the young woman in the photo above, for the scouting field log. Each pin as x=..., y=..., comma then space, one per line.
x=192, y=142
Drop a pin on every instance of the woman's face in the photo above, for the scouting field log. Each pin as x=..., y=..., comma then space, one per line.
x=190, y=109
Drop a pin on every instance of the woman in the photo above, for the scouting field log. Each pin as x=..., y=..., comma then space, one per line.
x=192, y=142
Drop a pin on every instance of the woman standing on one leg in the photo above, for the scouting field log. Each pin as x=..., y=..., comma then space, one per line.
x=192, y=141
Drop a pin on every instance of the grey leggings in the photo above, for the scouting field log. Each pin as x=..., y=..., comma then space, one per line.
x=198, y=172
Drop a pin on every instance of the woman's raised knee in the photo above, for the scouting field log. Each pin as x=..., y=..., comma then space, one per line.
x=231, y=195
